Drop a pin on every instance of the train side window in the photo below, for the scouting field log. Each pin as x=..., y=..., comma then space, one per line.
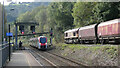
x=66, y=34
x=74, y=34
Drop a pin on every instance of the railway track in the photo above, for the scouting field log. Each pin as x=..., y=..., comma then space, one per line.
x=50, y=64
x=73, y=61
x=56, y=60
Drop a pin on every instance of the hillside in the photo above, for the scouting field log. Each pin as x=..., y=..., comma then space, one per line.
x=20, y=9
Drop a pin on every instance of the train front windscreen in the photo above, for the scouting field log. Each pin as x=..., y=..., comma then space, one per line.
x=43, y=40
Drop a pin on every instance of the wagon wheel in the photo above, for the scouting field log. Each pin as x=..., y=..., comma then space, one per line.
x=117, y=41
x=77, y=41
x=107, y=41
x=95, y=41
x=81, y=41
x=72, y=41
x=102, y=41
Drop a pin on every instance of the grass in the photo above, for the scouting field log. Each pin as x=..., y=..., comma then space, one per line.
x=109, y=49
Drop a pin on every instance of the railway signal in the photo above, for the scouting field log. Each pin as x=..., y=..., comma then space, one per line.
x=22, y=32
x=32, y=28
x=51, y=33
x=22, y=24
x=21, y=28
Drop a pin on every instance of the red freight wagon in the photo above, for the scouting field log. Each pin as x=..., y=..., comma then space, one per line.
x=109, y=29
x=87, y=32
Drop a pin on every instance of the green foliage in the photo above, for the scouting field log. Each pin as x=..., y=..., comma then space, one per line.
x=105, y=11
x=59, y=15
x=56, y=15
x=82, y=12
x=62, y=16
x=86, y=13
x=20, y=9
x=41, y=17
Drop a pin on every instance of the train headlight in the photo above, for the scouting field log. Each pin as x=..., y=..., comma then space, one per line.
x=40, y=43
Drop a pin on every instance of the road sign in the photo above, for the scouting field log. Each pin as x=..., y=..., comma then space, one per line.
x=9, y=34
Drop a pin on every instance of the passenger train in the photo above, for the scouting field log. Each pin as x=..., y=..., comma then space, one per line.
x=103, y=32
x=39, y=42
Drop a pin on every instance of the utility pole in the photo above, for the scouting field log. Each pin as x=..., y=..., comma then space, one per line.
x=3, y=24
x=51, y=33
x=9, y=44
x=16, y=33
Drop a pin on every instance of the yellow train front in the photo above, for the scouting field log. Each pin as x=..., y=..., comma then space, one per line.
x=39, y=42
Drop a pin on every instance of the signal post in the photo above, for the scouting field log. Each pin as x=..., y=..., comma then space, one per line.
x=32, y=28
x=51, y=34
x=22, y=29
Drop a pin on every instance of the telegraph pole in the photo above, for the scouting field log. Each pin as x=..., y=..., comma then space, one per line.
x=51, y=33
x=16, y=33
x=9, y=44
x=3, y=24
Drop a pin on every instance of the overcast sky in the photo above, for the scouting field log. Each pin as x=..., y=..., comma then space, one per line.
x=6, y=3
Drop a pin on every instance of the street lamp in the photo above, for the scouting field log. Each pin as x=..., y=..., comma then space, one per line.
x=3, y=23
x=3, y=20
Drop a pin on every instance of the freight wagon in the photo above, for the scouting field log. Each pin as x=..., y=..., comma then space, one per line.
x=87, y=34
x=96, y=33
x=109, y=31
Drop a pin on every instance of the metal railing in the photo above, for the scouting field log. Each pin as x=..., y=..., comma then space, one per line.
x=4, y=53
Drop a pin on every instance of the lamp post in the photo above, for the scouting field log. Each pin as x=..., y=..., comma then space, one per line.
x=3, y=23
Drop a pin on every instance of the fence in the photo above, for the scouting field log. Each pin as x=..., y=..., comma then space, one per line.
x=4, y=53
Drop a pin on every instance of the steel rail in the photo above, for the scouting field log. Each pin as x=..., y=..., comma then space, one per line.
x=44, y=59
x=68, y=59
x=72, y=61
x=60, y=58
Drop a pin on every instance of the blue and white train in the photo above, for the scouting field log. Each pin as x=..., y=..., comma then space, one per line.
x=39, y=42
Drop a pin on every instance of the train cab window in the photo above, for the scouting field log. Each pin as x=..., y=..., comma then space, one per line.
x=43, y=40
x=66, y=34
x=74, y=34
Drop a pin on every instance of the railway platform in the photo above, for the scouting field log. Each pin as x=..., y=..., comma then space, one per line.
x=22, y=59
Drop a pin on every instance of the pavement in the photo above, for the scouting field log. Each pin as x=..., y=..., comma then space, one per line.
x=22, y=58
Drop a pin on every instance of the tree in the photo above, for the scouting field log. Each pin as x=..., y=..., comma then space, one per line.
x=60, y=18
x=105, y=11
x=41, y=18
x=82, y=12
